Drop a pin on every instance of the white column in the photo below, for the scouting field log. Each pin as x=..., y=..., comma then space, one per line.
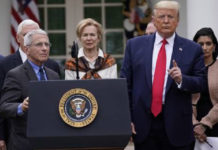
x=201, y=13
x=5, y=30
x=74, y=13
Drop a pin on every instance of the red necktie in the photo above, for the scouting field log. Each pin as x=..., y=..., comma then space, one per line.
x=158, y=80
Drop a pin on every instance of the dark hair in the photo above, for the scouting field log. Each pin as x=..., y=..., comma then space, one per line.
x=207, y=32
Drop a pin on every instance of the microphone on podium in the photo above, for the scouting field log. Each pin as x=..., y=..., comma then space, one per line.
x=74, y=54
x=74, y=49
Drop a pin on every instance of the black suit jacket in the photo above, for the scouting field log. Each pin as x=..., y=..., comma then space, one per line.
x=7, y=64
x=14, y=91
x=2, y=124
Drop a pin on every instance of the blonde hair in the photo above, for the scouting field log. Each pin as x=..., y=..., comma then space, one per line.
x=167, y=5
x=88, y=22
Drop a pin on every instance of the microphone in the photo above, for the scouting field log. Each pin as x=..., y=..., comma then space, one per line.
x=74, y=54
x=74, y=50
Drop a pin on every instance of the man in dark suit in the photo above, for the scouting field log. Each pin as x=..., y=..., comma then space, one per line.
x=19, y=56
x=14, y=96
x=162, y=71
x=2, y=127
x=16, y=59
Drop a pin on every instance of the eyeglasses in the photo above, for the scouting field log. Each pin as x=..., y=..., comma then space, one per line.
x=40, y=44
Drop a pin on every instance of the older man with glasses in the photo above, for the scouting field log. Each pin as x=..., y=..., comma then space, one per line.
x=14, y=102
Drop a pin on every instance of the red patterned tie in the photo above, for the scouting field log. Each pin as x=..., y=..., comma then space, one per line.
x=158, y=81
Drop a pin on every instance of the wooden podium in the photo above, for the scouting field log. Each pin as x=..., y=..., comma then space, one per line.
x=109, y=130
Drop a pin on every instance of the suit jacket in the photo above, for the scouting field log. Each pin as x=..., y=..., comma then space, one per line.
x=2, y=124
x=14, y=91
x=137, y=69
x=7, y=64
x=14, y=60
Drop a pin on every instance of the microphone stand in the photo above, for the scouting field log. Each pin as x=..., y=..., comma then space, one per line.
x=74, y=54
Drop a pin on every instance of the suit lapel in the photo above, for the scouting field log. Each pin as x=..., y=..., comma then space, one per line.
x=17, y=58
x=148, y=64
x=176, y=55
x=29, y=71
x=48, y=74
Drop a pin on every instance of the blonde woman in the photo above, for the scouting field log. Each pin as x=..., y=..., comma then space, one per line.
x=93, y=63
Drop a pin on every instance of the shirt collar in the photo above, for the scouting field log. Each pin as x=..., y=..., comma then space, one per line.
x=22, y=55
x=81, y=53
x=34, y=66
x=159, y=39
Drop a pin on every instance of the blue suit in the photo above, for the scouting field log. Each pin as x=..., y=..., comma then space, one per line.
x=137, y=69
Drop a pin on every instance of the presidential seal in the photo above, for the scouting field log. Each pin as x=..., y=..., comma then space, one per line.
x=78, y=107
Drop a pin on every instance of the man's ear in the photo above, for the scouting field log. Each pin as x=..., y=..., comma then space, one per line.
x=152, y=20
x=17, y=38
x=26, y=49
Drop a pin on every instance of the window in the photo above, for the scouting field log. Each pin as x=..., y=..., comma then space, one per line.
x=60, y=17
x=54, y=26
x=109, y=14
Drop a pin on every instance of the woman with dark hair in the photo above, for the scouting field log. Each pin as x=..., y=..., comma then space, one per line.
x=205, y=104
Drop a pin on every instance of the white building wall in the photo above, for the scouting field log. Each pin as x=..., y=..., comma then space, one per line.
x=201, y=13
x=5, y=27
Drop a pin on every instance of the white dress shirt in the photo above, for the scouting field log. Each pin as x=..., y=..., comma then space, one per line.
x=169, y=51
x=23, y=55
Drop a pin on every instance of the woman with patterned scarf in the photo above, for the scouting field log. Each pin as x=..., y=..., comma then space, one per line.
x=93, y=63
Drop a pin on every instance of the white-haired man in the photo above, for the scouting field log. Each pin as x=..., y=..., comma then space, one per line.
x=14, y=101
x=14, y=60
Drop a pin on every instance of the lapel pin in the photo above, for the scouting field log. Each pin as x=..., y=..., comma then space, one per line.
x=180, y=49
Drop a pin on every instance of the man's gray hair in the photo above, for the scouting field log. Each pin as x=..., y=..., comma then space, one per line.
x=28, y=37
x=167, y=5
x=24, y=23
